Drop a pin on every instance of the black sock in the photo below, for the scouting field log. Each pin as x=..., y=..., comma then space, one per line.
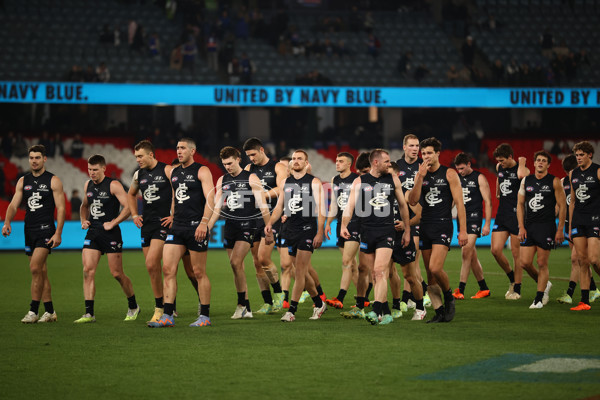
x=411, y=296
x=360, y=302
x=424, y=284
x=293, y=307
x=49, y=307
x=132, y=303
x=377, y=306
x=585, y=296
x=405, y=296
x=34, y=306
x=419, y=305
x=440, y=311
x=341, y=295
x=266, y=294
x=368, y=291
x=592, y=284
x=241, y=298
x=448, y=296
x=169, y=308
x=286, y=295
x=175, y=304
x=517, y=288
x=205, y=310
x=462, y=286
x=158, y=302
x=318, y=301
x=385, y=309
x=483, y=285
x=396, y=304
x=276, y=287
x=511, y=276
x=538, y=297
x=89, y=307
x=247, y=304
x=319, y=290
x=571, y=289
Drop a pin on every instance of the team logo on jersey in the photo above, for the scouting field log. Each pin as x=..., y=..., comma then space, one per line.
x=181, y=193
x=575, y=180
x=529, y=188
x=233, y=201
x=34, y=202
x=505, y=188
x=96, y=209
x=501, y=174
x=289, y=189
x=466, y=193
x=342, y=201
x=379, y=201
x=535, y=204
x=113, y=243
x=425, y=183
x=174, y=179
x=90, y=194
x=581, y=193
x=150, y=194
x=295, y=204
x=368, y=188
x=431, y=198
x=226, y=187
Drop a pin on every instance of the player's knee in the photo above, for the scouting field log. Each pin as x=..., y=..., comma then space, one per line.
x=36, y=268
x=169, y=271
x=497, y=251
x=264, y=260
x=362, y=269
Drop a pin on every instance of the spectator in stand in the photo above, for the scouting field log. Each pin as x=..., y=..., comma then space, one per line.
x=189, y=52
x=176, y=60
x=75, y=205
x=212, y=55
x=227, y=50
x=76, y=74
x=225, y=23
x=547, y=43
x=421, y=72
x=103, y=73
x=296, y=42
x=369, y=22
x=55, y=146
x=498, y=73
x=77, y=147
x=468, y=52
x=242, y=30
x=248, y=69
x=20, y=148
x=154, y=46
x=341, y=50
x=373, y=47
x=8, y=142
x=404, y=65
x=90, y=75
x=45, y=141
x=131, y=30
x=234, y=70
x=512, y=73
x=452, y=75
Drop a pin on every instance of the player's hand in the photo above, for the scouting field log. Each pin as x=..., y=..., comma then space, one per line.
x=201, y=232
x=167, y=222
x=344, y=232
x=318, y=240
x=268, y=230
x=423, y=168
x=486, y=230
x=108, y=225
x=406, y=238
x=559, y=238
x=6, y=230
x=327, y=231
x=269, y=238
x=139, y=221
x=283, y=218
x=463, y=239
x=522, y=234
x=399, y=226
x=522, y=160
x=55, y=240
x=85, y=224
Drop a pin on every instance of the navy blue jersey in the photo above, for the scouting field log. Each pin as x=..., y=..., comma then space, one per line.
x=508, y=183
x=341, y=192
x=472, y=195
x=436, y=197
x=408, y=173
x=268, y=178
x=299, y=203
x=586, y=187
x=375, y=201
x=157, y=193
x=189, y=196
x=540, y=200
x=104, y=206
x=39, y=200
x=566, y=184
x=238, y=200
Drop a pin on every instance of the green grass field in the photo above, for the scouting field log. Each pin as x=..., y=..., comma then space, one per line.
x=264, y=358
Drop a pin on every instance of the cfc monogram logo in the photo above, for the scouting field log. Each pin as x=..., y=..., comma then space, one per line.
x=581, y=193
x=379, y=201
x=342, y=200
x=295, y=204
x=535, y=203
x=34, y=201
x=96, y=209
x=150, y=194
x=505, y=188
x=466, y=193
x=233, y=201
x=432, y=197
x=181, y=193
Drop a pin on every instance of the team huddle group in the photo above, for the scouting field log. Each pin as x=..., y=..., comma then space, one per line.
x=387, y=212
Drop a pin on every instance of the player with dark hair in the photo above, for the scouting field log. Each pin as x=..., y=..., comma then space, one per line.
x=371, y=198
x=510, y=173
x=301, y=198
x=539, y=195
x=192, y=186
x=436, y=188
x=42, y=192
x=476, y=194
x=100, y=215
x=239, y=199
x=271, y=175
x=340, y=186
x=584, y=217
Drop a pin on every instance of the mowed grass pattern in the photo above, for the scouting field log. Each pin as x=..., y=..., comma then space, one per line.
x=265, y=358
